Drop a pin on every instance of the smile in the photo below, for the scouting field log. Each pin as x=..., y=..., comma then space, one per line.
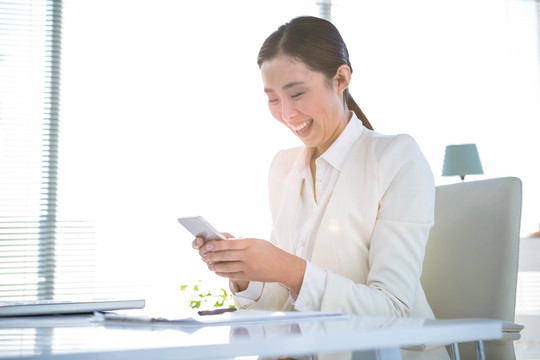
x=301, y=126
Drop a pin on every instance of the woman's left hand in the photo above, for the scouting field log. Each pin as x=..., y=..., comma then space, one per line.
x=253, y=260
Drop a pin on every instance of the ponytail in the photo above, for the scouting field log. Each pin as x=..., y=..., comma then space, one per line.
x=352, y=105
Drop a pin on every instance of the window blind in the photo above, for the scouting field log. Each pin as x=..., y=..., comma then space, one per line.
x=537, y=3
x=30, y=44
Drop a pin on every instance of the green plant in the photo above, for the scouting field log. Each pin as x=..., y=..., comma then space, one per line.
x=200, y=298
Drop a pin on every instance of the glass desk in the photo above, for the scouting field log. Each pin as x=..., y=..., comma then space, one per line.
x=88, y=337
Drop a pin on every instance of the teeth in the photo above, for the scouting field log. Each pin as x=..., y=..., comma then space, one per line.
x=301, y=126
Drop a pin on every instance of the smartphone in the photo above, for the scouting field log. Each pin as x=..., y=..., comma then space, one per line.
x=199, y=227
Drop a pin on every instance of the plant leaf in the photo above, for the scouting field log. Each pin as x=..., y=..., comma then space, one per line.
x=194, y=304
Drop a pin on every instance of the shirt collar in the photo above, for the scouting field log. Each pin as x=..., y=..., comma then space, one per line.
x=337, y=152
x=340, y=148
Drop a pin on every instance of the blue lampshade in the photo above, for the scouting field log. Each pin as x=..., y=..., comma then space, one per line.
x=461, y=160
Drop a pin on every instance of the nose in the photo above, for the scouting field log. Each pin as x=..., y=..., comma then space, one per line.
x=288, y=111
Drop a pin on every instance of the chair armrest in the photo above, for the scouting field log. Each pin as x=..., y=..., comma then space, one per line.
x=511, y=331
x=512, y=327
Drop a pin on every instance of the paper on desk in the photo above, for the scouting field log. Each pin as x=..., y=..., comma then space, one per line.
x=242, y=316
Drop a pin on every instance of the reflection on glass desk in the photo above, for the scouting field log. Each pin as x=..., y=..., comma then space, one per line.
x=86, y=337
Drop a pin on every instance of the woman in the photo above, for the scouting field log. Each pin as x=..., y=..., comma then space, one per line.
x=351, y=209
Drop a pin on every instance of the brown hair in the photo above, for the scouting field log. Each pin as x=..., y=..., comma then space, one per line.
x=318, y=44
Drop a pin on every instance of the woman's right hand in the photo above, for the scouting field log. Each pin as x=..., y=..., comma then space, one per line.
x=240, y=285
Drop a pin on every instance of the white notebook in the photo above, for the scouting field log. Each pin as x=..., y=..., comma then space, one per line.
x=54, y=307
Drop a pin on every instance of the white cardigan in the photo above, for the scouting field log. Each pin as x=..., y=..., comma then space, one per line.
x=372, y=238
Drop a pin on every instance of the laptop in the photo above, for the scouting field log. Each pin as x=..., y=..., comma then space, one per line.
x=61, y=307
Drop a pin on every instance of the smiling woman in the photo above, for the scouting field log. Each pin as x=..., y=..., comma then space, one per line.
x=163, y=115
x=351, y=209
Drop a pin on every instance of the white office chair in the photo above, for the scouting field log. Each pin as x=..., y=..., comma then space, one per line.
x=471, y=262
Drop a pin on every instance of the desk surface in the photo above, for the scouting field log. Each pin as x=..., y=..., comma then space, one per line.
x=85, y=337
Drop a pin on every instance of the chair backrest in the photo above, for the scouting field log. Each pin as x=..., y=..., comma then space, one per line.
x=471, y=262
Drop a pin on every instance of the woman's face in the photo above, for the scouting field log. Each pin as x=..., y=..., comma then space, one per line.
x=305, y=101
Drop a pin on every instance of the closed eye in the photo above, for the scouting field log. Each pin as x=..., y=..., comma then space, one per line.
x=297, y=95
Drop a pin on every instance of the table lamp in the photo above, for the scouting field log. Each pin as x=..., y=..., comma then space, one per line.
x=461, y=160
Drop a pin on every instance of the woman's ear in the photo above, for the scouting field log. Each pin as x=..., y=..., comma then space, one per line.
x=342, y=78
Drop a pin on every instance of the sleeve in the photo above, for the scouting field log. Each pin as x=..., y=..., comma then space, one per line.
x=405, y=216
x=246, y=298
x=274, y=296
x=312, y=291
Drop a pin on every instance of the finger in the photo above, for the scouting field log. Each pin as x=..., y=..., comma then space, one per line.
x=226, y=267
x=220, y=245
x=207, y=247
x=197, y=243
x=228, y=235
x=219, y=256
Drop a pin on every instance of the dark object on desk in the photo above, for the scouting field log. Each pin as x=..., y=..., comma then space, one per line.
x=216, y=312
